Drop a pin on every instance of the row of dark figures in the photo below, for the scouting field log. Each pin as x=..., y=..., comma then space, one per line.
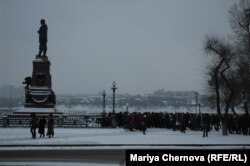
x=40, y=124
x=178, y=121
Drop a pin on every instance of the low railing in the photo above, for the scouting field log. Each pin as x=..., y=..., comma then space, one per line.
x=64, y=121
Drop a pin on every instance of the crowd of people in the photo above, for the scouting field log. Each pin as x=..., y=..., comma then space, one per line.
x=238, y=124
x=40, y=123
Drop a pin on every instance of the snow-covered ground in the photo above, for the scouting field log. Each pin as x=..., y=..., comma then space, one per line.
x=97, y=138
x=118, y=136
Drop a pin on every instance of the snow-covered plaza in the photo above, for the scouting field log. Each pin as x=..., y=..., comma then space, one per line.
x=111, y=140
x=119, y=136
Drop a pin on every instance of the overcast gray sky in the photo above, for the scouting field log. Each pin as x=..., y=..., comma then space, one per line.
x=143, y=45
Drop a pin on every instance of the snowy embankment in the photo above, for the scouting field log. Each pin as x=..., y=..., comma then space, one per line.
x=98, y=109
x=80, y=109
x=91, y=109
x=120, y=137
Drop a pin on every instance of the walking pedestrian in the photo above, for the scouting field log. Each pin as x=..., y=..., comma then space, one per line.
x=50, y=132
x=33, y=125
x=144, y=123
x=206, y=124
x=41, y=125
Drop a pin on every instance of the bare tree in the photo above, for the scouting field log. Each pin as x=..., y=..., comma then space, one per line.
x=222, y=54
x=243, y=72
x=239, y=17
x=230, y=72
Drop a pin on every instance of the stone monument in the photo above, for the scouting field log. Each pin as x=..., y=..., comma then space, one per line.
x=38, y=90
x=40, y=99
x=39, y=96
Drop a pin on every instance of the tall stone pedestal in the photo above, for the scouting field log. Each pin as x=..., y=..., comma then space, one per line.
x=38, y=90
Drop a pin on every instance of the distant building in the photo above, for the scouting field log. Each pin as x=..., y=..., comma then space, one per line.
x=10, y=92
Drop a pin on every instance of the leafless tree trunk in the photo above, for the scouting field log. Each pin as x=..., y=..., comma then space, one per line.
x=217, y=88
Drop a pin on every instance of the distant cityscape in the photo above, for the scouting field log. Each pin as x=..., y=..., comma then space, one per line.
x=11, y=96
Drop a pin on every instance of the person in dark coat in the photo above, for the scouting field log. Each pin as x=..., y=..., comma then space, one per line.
x=50, y=132
x=144, y=123
x=206, y=124
x=244, y=124
x=216, y=122
x=41, y=125
x=183, y=123
x=131, y=119
x=173, y=121
x=33, y=125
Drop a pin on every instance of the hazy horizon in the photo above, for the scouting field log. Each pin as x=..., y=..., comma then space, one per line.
x=108, y=92
x=143, y=45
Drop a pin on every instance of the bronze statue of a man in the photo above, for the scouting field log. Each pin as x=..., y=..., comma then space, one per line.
x=42, y=38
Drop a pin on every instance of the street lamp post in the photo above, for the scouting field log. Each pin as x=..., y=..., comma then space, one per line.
x=114, y=89
x=104, y=102
x=113, y=116
x=196, y=98
x=199, y=108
